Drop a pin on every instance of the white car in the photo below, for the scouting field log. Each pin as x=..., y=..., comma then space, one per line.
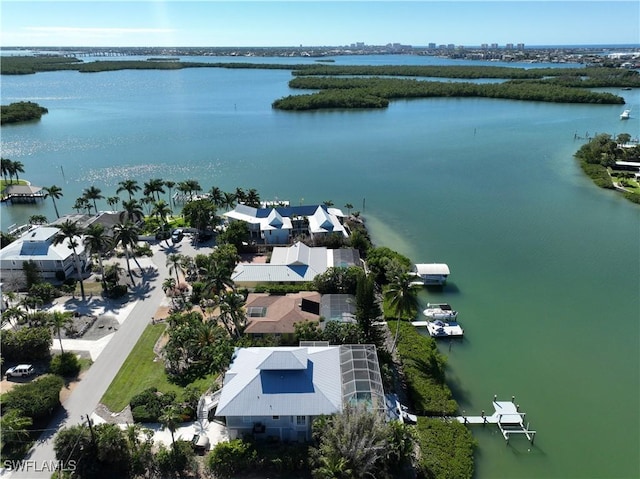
x=20, y=371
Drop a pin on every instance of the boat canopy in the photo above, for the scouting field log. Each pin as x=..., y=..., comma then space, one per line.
x=432, y=269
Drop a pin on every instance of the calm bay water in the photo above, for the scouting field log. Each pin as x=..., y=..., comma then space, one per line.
x=545, y=267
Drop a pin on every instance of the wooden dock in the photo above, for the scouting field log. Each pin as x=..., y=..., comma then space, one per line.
x=506, y=415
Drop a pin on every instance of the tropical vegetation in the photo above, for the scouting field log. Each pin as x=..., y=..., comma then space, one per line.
x=598, y=159
x=20, y=112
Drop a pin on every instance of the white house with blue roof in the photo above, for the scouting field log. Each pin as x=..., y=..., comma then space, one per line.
x=37, y=244
x=277, y=392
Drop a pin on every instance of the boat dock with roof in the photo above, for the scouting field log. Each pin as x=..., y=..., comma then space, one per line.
x=430, y=274
x=506, y=415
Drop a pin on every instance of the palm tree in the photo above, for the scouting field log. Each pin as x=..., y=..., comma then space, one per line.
x=80, y=204
x=112, y=273
x=17, y=167
x=183, y=187
x=161, y=209
x=132, y=211
x=153, y=188
x=38, y=220
x=168, y=284
x=241, y=196
x=130, y=186
x=170, y=185
x=97, y=242
x=216, y=195
x=55, y=193
x=126, y=234
x=349, y=207
x=402, y=297
x=5, y=166
x=175, y=263
x=229, y=200
x=170, y=419
x=147, y=201
x=69, y=231
x=216, y=276
x=58, y=320
x=93, y=193
x=252, y=198
x=113, y=201
x=14, y=315
x=232, y=311
x=193, y=186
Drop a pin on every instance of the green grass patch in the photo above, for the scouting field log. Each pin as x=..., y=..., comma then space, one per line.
x=5, y=183
x=139, y=372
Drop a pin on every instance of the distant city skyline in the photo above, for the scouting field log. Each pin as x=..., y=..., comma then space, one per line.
x=50, y=23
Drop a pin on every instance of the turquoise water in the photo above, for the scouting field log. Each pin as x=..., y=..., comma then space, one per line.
x=545, y=267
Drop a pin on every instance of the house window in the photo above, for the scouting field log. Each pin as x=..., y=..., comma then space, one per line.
x=246, y=419
x=275, y=418
x=301, y=420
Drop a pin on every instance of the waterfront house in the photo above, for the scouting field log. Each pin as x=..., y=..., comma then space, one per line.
x=55, y=262
x=277, y=225
x=277, y=392
x=297, y=263
x=276, y=315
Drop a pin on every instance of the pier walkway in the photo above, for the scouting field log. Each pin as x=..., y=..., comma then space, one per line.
x=506, y=415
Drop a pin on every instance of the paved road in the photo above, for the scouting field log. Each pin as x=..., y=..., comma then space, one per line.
x=87, y=394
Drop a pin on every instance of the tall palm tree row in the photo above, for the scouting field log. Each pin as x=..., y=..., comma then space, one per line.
x=70, y=233
x=10, y=169
x=153, y=188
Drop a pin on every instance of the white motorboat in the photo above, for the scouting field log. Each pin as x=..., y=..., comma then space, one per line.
x=440, y=311
x=441, y=329
x=625, y=115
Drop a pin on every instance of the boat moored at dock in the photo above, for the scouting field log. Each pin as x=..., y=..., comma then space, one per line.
x=441, y=329
x=440, y=311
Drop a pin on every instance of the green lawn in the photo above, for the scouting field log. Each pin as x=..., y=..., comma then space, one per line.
x=140, y=372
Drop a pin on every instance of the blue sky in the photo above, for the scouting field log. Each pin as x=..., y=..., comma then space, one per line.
x=315, y=23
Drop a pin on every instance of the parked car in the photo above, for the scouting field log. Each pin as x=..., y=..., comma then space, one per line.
x=200, y=443
x=177, y=235
x=20, y=371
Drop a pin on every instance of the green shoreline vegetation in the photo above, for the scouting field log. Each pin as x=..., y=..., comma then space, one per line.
x=561, y=85
x=20, y=112
x=598, y=160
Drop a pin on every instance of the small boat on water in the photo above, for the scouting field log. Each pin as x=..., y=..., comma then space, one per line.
x=440, y=311
x=440, y=328
x=444, y=329
x=625, y=115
